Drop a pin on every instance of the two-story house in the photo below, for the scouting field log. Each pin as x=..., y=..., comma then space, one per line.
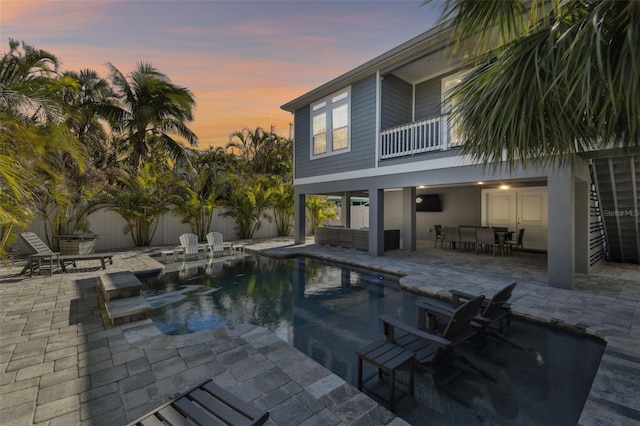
x=381, y=130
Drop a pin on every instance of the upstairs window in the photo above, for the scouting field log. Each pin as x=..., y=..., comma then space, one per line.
x=330, y=121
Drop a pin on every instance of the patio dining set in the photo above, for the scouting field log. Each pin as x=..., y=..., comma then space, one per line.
x=480, y=239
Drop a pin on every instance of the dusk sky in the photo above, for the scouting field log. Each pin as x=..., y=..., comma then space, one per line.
x=241, y=59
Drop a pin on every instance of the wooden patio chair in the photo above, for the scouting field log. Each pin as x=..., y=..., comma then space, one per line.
x=497, y=309
x=432, y=347
x=206, y=404
x=42, y=252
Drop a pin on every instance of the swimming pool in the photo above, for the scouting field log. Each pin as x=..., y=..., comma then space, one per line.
x=531, y=374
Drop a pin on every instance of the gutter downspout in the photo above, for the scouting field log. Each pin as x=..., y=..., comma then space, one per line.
x=378, y=112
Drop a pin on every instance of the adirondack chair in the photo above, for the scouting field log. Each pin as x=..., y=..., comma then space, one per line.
x=493, y=310
x=42, y=252
x=216, y=244
x=188, y=245
x=432, y=347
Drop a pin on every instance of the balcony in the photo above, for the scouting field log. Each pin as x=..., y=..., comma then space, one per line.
x=433, y=134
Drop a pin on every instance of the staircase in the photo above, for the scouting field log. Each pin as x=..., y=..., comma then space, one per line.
x=617, y=184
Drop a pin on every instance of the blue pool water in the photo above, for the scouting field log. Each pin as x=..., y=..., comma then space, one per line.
x=530, y=374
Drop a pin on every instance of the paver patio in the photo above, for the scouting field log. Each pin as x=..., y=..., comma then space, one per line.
x=61, y=363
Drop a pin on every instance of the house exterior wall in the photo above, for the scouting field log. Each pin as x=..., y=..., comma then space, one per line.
x=428, y=99
x=363, y=136
x=397, y=100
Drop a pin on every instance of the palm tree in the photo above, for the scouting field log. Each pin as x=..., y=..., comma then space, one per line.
x=264, y=152
x=32, y=132
x=560, y=80
x=201, y=187
x=152, y=108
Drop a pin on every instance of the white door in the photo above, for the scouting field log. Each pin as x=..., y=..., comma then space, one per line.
x=532, y=217
x=501, y=209
x=522, y=208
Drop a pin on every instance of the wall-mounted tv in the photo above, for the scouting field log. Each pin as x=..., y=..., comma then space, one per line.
x=428, y=203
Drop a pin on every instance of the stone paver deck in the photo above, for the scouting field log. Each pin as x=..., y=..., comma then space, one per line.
x=61, y=363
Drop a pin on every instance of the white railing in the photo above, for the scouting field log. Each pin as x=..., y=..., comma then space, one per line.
x=417, y=137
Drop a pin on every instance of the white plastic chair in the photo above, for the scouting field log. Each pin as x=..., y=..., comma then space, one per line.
x=188, y=245
x=215, y=243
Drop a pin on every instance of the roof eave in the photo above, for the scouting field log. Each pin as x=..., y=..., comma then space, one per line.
x=435, y=36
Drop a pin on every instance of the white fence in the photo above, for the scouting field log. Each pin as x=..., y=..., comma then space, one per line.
x=111, y=229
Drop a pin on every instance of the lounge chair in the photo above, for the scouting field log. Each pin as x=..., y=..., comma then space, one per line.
x=206, y=404
x=42, y=252
x=433, y=347
x=188, y=245
x=493, y=310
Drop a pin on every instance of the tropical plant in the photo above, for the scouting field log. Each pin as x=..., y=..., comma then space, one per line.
x=249, y=198
x=33, y=135
x=150, y=109
x=201, y=187
x=140, y=200
x=559, y=80
x=283, y=205
x=319, y=210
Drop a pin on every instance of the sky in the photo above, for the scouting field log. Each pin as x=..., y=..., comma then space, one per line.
x=240, y=59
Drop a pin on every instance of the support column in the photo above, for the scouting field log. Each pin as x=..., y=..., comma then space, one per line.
x=376, y=222
x=346, y=210
x=561, y=245
x=409, y=219
x=299, y=218
x=581, y=224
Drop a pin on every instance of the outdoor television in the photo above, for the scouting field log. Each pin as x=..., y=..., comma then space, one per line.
x=428, y=203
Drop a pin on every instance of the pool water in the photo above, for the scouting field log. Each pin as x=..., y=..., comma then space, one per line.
x=530, y=374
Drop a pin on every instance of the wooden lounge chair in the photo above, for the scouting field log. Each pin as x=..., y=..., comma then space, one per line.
x=206, y=404
x=493, y=310
x=433, y=347
x=41, y=251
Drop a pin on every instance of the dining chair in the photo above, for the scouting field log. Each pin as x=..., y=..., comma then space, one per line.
x=452, y=236
x=439, y=235
x=517, y=244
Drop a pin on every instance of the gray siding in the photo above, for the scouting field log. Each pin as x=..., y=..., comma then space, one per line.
x=363, y=134
x=428, y=99
x=397, y=98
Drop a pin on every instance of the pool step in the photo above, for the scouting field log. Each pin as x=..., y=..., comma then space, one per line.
x=119, y=285
x=130, y=309
x=123, y=302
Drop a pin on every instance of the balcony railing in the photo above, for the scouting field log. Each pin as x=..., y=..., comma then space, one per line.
x=433, y=134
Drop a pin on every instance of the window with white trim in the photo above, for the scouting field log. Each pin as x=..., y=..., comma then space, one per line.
x=330, y=119
x=449, y=83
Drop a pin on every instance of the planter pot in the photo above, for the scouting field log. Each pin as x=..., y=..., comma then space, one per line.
x=77, y=243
